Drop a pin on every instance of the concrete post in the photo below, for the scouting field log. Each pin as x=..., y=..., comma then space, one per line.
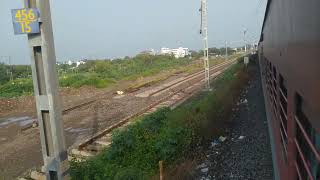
x=43, y=63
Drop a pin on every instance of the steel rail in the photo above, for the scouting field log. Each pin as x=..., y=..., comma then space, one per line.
x=91, y=140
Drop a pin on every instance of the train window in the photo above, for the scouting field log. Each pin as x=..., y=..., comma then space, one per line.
x=274, y=85
x=283, y=85
x=283, y=102
x=274, y=72
x=269, y=80
x=282, y=115
x=267, y=77
x=307, y=143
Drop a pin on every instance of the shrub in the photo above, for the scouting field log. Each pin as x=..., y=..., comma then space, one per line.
x=78, y=80
x=141, y=146
x=16, y=88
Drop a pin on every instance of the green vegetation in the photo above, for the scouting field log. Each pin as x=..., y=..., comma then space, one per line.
x=164, y=135
x=96, y=73
x=18, y=71
x=16, y=88
x=132, y=68
x=100, y=73
x=221, y=51
x=89, y=79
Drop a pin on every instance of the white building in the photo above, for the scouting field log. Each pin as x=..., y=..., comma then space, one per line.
x=178, y=53
x=80, y=62
x=77, y=63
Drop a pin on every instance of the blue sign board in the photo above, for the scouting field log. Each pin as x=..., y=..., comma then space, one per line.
x=25, y=21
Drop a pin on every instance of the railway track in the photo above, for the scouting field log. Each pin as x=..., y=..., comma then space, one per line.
x=171, y=95
x=91, y=100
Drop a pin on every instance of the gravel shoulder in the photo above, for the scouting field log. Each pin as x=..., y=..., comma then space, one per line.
x=246, y=151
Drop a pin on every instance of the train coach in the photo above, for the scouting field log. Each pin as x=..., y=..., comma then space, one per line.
x=289, y=57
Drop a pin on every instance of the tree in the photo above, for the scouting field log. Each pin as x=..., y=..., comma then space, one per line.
x=3, y=74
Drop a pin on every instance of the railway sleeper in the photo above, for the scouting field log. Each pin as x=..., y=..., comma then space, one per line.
x=95, y=147
x=81, y=153
x=104, y=143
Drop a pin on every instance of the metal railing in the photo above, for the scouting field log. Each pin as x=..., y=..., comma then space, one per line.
x=312, y=147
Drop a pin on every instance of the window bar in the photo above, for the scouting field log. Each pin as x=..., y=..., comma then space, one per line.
x=281, y=120
x=281, y=92
x=274, y=99
x=314, y=150
x=270, y=96
x=298, y=170
x=274, y=109
x=303, y=160
x=274, y=84
x=283, y=111
x=283, y=142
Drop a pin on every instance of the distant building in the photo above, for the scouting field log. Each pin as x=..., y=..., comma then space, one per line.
x=165, y=51
x=150, y=52
x=69, y=62
x=178, y=53
x=78, y=63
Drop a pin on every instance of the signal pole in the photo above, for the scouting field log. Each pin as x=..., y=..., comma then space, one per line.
x=244, y=39
x=204, y=32
x=43, y=63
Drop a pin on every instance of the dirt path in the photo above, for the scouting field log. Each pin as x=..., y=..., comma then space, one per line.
x=246, y=153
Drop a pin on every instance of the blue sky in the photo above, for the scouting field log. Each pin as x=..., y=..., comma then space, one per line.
x=108, y=29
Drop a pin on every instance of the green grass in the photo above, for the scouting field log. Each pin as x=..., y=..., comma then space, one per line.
x=78, y=80
x=101, y=73
x=164, y=135
x=16, y=88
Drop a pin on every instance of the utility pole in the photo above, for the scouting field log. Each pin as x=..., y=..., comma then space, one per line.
x=204, y=32
x=11, y=68
x=226, y=49
x=7, y=60
x=36, y=22
x=244, y=39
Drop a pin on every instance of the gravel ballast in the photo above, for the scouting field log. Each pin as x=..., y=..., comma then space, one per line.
x=245, y=151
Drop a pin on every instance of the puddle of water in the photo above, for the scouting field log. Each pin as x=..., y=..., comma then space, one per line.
x=21, y=121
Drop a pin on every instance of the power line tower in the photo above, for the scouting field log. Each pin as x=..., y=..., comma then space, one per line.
x=204, y=32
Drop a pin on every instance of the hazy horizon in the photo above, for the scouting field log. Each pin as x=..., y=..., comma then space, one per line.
x=113, y=29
